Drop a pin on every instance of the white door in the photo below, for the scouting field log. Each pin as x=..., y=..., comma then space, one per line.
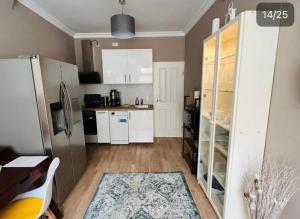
x=114, y=64
x=103, y=134
x=168, y=98
x=141, y=126
x=139, y=70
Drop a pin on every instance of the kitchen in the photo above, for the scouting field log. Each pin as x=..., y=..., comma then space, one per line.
x=144, y=109
x=111, y=116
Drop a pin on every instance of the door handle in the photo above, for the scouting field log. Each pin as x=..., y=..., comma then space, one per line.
x=158, y=100
x=64, y=107
x=129, y=115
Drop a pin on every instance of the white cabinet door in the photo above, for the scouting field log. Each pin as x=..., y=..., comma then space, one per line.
x=114, y=63
x=103, y=133
x=140, y=64
x=141, y=126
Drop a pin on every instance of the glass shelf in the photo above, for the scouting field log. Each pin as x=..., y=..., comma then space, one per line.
x=222, y=149
x=225, y=86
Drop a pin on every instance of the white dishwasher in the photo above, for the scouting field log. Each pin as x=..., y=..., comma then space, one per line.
x=118, y=122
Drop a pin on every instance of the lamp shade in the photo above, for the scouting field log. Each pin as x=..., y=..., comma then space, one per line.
x=122, y=26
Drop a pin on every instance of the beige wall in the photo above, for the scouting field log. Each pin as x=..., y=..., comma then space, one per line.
x=164, y=48
x=283, y=138
x=24, y=32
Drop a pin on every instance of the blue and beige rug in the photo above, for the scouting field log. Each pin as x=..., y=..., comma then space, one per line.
x=142, y=196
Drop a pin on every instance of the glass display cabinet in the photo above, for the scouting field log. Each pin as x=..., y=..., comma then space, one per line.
x=238, y=66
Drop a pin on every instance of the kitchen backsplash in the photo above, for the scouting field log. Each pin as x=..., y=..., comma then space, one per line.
x=128, y=92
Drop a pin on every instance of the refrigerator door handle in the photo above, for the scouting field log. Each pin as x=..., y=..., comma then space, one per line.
x=62, y=97
x=70, y=110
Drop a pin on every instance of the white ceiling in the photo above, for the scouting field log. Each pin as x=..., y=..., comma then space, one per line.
x=93, y=16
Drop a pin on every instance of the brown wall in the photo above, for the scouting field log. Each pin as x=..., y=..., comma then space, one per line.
x=165, y=49
x=283, y=140
x=283, y=137
x=22, y=32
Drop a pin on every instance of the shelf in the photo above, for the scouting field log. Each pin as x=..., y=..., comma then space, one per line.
x=219, y=179
x=205, y=115
x=190, y=130
x=210, y=62
x=217, y=202
x=222, y=149
x=224, y=126
x=191, y=144
x=224, y=91
x=191, y=109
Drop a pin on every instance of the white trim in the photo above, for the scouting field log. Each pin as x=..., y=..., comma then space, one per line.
x=204, y=8
x=48, y=17
x=137, y=34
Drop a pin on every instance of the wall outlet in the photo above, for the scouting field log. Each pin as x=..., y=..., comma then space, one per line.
x=115, y=44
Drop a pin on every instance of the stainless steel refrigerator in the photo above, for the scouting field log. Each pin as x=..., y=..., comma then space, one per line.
x=40, y=113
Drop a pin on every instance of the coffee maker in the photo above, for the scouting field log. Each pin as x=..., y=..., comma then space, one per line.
x=115, y=99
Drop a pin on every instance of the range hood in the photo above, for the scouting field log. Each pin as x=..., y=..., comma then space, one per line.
x=88, y=76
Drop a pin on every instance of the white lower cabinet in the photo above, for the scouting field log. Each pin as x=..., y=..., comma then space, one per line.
x=141, y=126
x=103, y=131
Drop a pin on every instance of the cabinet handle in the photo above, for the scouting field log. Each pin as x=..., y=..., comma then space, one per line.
x=129, y=77
x=129, y=116
x=125, y=78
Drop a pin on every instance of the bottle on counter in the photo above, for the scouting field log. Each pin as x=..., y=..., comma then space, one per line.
x=137, y=102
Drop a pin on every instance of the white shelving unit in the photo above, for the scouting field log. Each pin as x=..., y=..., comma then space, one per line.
x=238, y=68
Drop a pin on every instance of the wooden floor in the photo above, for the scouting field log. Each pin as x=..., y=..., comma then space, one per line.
x=162, y=156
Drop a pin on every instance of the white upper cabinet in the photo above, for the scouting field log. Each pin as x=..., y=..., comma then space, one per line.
x=114, y=64
x=127, y=66
x=139, y=68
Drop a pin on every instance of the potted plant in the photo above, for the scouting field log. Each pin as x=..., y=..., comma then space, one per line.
x=268, y=193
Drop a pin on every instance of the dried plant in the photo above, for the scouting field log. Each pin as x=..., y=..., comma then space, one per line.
x=268, y=194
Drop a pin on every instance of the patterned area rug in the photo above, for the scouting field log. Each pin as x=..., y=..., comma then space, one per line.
x=142, y=196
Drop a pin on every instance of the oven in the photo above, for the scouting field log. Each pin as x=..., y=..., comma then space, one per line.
x=90, y=126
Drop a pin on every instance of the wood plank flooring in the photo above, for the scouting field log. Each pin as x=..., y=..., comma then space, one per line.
x=162, y=156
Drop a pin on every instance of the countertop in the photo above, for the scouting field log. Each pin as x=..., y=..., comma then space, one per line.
x=116, y=108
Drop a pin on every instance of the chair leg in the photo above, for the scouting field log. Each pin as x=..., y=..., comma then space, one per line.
x=55, y=210
x=49, y=215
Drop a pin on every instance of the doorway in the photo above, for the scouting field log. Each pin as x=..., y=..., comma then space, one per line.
x=168, y=98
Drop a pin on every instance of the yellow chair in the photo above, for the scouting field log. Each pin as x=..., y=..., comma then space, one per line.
x=32, y=204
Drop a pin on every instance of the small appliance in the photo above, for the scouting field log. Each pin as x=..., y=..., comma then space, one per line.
x=106, y=101
x=115, y=99
x=92, y=100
